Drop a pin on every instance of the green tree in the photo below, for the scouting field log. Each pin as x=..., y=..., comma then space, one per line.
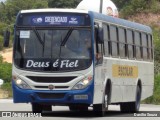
x=12, y=7
x=121, y=3
x=156, y=37
x=134, y=7
x=5, y=70
x=63, y=3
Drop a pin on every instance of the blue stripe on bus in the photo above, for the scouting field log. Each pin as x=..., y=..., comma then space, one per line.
x=24, y=96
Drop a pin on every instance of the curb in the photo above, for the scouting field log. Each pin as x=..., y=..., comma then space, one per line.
x=6, y=100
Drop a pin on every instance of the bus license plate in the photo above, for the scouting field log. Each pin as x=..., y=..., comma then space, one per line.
x=80, y=97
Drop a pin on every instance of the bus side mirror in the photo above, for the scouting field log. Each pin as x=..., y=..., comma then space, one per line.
x=6, y=38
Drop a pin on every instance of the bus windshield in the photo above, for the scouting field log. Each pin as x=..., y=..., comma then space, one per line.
x=53, y=49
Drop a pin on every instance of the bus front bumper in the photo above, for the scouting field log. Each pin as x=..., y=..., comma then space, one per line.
x=84, y=96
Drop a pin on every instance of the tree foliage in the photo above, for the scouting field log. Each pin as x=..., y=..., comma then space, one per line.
x=63, y=3
x=121, y=3
x=5, y=70
x=10, y=8
x=131, y=7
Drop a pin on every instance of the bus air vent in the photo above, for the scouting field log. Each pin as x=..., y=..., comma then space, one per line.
x=56, y=87
x=51, y=79
x=51, y=95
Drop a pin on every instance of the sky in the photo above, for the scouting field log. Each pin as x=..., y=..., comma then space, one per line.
x=2, y=0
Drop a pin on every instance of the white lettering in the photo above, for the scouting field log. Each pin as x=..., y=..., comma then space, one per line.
x=31, y=63
x=152, y=114
x=140, y=114
x=55, y=64
x=58, y=19
x=76, y=63
x=47, y=64
x=67, y=63
x=64, y=63
x=36, y=64
x=71, y=64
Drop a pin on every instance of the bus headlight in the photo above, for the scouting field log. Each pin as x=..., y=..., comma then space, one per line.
x=83, y=83
x=21, y=84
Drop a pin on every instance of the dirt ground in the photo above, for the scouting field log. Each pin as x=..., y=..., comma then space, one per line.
x=7, y=55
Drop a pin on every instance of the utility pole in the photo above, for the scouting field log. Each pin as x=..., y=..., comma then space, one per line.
x=101, y=6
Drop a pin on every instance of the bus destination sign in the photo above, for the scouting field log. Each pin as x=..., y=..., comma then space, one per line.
x=56, y=20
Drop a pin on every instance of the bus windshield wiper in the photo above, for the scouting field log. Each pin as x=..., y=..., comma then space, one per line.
x=66, y=37
x=38, y=36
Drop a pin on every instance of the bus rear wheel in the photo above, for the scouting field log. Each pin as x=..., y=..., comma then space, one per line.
x=132, y=106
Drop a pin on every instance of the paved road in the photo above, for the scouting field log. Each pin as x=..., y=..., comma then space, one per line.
x=63, y=113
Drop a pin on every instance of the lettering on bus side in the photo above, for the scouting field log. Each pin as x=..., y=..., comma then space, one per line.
x=124, y=71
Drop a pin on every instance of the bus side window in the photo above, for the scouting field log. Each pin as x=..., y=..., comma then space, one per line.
x=150, y=47
x=144, y=45
x=99, y=48
x=114, y=40
x=138, y=45
x=106, y=40
x=121, y=36
x=130, y=43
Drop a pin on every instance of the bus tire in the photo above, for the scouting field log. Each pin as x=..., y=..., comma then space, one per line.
x=136, y=104
x=100, y=109
x=47, y=107
x=78, y=108
x=132, y=106
x=37, y=108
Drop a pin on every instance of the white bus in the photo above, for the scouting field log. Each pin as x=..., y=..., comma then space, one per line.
x=79, y=59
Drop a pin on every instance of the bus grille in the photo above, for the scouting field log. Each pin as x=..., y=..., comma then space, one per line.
x=56, y=87
x=51, y=79
x=51, y=95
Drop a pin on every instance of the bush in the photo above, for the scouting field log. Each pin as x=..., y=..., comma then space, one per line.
x=5, y=71
x=155, y=7
x=1, y=42
x=7, y=87
x=133, y=7
x=155, y=99
x=5, y=74
x=3, y=26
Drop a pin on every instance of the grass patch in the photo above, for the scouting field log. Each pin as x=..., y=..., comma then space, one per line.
x=7, y=87
x=155, y=98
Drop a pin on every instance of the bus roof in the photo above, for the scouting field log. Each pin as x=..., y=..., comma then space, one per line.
x=53, y=10
x=95, y=15
x=121, y=22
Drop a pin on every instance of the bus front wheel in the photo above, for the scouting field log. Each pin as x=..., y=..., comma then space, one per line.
x=38, y=108
x=100, y=109
x=78, y=107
